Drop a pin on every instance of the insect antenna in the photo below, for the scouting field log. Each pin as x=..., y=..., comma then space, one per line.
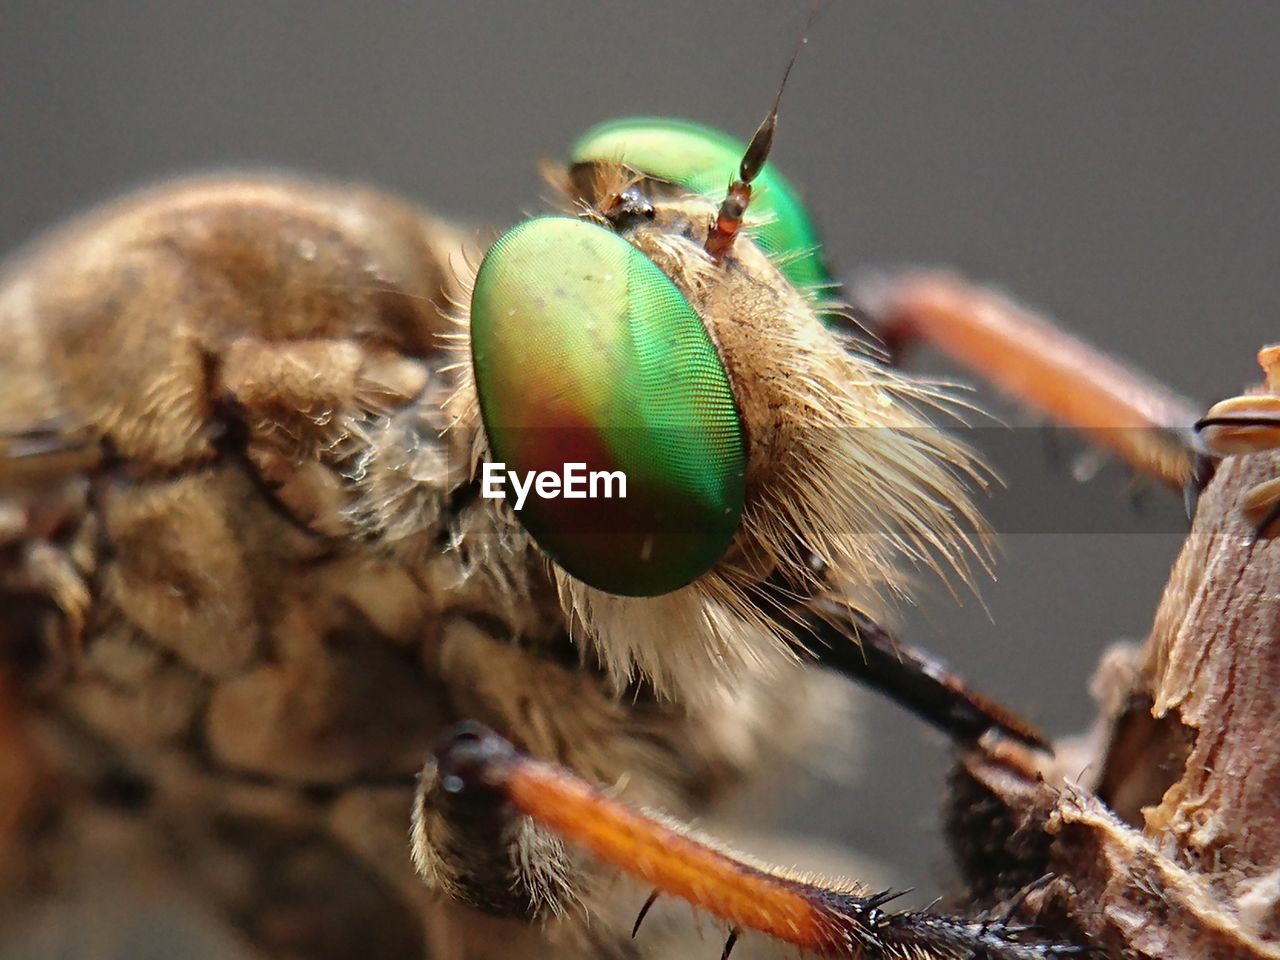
x=734, y=206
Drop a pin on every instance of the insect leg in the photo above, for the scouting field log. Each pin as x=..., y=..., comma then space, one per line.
x=1038, y=364
x=476, y=766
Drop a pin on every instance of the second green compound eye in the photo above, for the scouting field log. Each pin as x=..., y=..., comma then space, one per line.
x=584, y=352
x=704, y=161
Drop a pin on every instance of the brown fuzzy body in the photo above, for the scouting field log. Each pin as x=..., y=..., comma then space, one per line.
x=244, y=588
x=246, y=580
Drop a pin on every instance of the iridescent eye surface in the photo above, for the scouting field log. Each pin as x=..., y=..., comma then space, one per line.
x=586, y=353
x=704, y=161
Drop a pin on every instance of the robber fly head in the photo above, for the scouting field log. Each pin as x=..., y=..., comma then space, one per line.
x=679, y=332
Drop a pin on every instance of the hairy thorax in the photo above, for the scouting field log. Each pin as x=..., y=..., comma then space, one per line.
x=254, y=578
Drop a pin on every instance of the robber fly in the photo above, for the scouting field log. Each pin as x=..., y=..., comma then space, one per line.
x=288, y=474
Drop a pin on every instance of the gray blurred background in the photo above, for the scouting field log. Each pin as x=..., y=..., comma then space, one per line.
x=1112, y=163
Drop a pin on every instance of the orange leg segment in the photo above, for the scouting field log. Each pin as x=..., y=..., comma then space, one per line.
x=832, y=920
x=1036, y=363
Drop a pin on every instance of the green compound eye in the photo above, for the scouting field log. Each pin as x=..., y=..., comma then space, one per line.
x=586, y=354
x=704, y=161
